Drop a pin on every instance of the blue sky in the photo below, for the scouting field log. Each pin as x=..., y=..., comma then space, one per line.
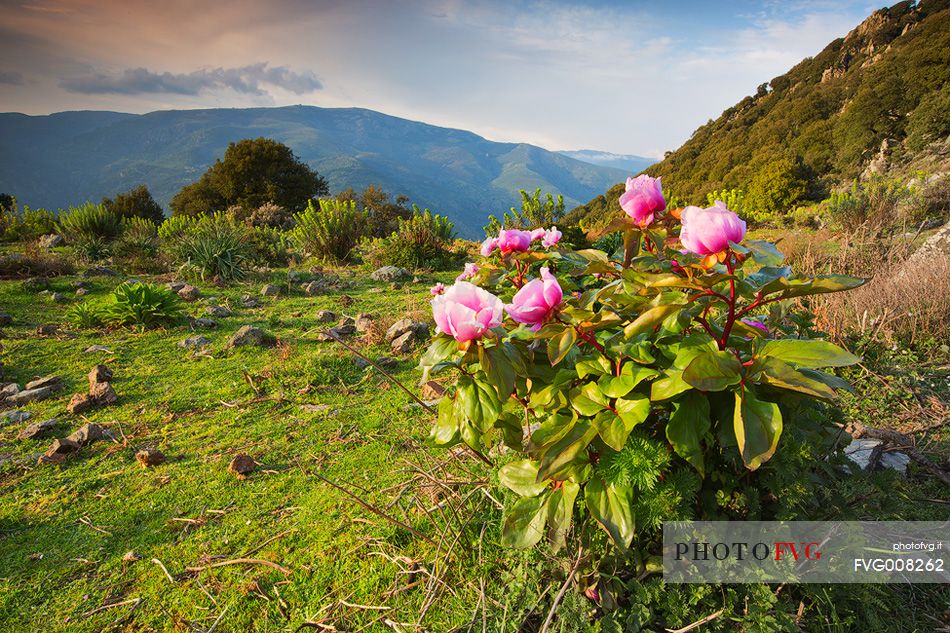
x=625, y=77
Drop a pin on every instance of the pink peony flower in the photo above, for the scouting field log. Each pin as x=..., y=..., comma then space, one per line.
x=709, y=231
x=512, y=240
x=643, y=198
x=536, y=301
x=470, y=269
x=465, y=312
x=537, y=234
x=489, y=246
x=437, y=289
x=551, y=237
x=756, y=324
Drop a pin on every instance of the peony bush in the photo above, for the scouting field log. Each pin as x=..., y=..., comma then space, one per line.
x=622, y=389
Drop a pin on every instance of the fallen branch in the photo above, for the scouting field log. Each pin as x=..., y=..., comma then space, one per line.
x=902, y=442
x=697, y=623
x=242, y=561
x=109, y=606
x=560, y=594
x=169, y=576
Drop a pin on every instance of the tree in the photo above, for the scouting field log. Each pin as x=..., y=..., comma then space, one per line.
x=382, y=213
x=776, y=188
x=135, y=203
x=252, y=173
x=7, y=203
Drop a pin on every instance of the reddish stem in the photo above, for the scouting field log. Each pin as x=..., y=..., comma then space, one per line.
x=731, y=318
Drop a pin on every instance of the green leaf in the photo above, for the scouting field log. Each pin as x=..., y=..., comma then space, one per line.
x=479, y=402
x=630, y=376
x=778, y=373
x=445, y=432
x=835, y=382
x=559, y=456
x=442, y=350
x=764, y=253
x=688, y=423
x=611, y=506
x=551, y=430
x=758, y=426
x=800, y=287
x=713, y=371
x=614, y=428
x=560, y=344
x=560, y=513
x=522, y=477
x=650, y=318
x=524, y=523
x=668, y=386
x=633, y=410
x=690, y=347
x=598, y=365
x=588, y=399
x=808, y=353
x=498, y=368
x=768, y=274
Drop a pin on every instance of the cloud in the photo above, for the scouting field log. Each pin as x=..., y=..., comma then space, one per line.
x=247, y=80
x=11, y=78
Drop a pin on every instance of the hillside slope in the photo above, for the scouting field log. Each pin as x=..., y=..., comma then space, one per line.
x=67, y=158
x=874, y=100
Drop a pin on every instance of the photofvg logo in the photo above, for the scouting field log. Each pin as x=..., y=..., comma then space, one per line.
x=805, y=551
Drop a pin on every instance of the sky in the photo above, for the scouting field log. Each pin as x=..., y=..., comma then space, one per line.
x=625, y=77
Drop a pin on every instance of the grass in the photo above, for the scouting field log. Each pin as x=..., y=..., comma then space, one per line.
x=65, y=530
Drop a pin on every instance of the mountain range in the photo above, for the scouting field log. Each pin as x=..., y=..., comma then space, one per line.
x=67, y=158
x=876, y=101
x=627, y=162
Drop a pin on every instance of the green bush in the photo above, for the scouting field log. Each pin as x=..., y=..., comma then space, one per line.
x=874, y=204
x=26, y=225
x=421, y=241
x=89, y=221
x=215, y=248
x=774, y=190
x=85, y=316
x=91, y=248
x=269, y=246
x=139, y=238
x=534, y=213
x=329, y=230
x=178, y=226
x=143, y=305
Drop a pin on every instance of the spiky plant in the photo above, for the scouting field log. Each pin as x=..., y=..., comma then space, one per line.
x=143, y=305
x=88, y=222
x=330, y=229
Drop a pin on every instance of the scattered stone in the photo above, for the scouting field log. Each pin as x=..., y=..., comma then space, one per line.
x=57, y=297
x=218, y=311
x=417, y=280
x=81, y=292
x=242, y=465
x=345, y=300
x=98, y=348
x=99, y=373
x=5, y=319
x=395, y=286
x=47, y=330
x=103, y=393
x=175, y=286
x=131, y=281
x=56, y=382
x=14, y=417
x=9, y=389
x=100, y=271
x=313, y=288
x=62, y=447
x=432, y=390
x=387, y=363
x=50, y=241
x=345, y=327
x=32, y=395
x=249, y=302
x=326, y=316
x=375, y=291
x=402, y=344
x=418, y=329
x=79, y=283
x=149, y=457
x=189, y=293
x=36, y=430
x=859, y=451
x=79, y=403
x=130, y=557
x=293, y=277
x=390, y=273
x=363, y=322
x=210, y=324
x=250, y=335
x=36, y=283
x=270, y=290
x=87, y=434
x=194, y=341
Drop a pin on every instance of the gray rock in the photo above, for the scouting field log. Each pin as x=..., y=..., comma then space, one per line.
x=103, y=393
x=345, y=328
x=364, y=322
x=87, y=434
x=270, y=290
x=418, y=329
x=403, y=344
x=314, y=288
x=48, y=329
x=62, y=447
x=5, y=319
x=326, y=316
x=387, y=363
x=250, y=335
x=133, y=281
x=79, y=283
x=98, y=348
x=99, y=373
x=859, y=452
x=55, y=382
x=189, y=293
x=175, y=286
x=14, y=417
x=218, y=311
x=210, y=324
x=36, y=283
x=293, y=277
x=390, y=273
x=417, y=280
x=57, y=297
x=242, y=465
x=194, y=341
x=81, y=292
x=50, y=241
x=9, y=389
x=80, y=402
x=249, y=302
x=37, y=430
x=149, y=457
x=99, y=271
x=32, y=395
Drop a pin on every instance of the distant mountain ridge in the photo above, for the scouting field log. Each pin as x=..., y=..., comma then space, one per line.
x=627, y=162
x=69, y=157
x=874, y=101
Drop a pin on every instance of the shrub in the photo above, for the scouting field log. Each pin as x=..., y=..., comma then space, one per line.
x=775, y=189
x=85, y=315
x=633, y=389
x=178, y=226
x=26, y=225
x=267, y=215
x=139, y=238
x=330, y=229
x=143, y=305
x=135, y=203
x=874, y=204
x=89, y=221
x=421, y=241
x=34, y=263
x=214, y=248
x=269, y=246
x=91, y=248
x=534, y=213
